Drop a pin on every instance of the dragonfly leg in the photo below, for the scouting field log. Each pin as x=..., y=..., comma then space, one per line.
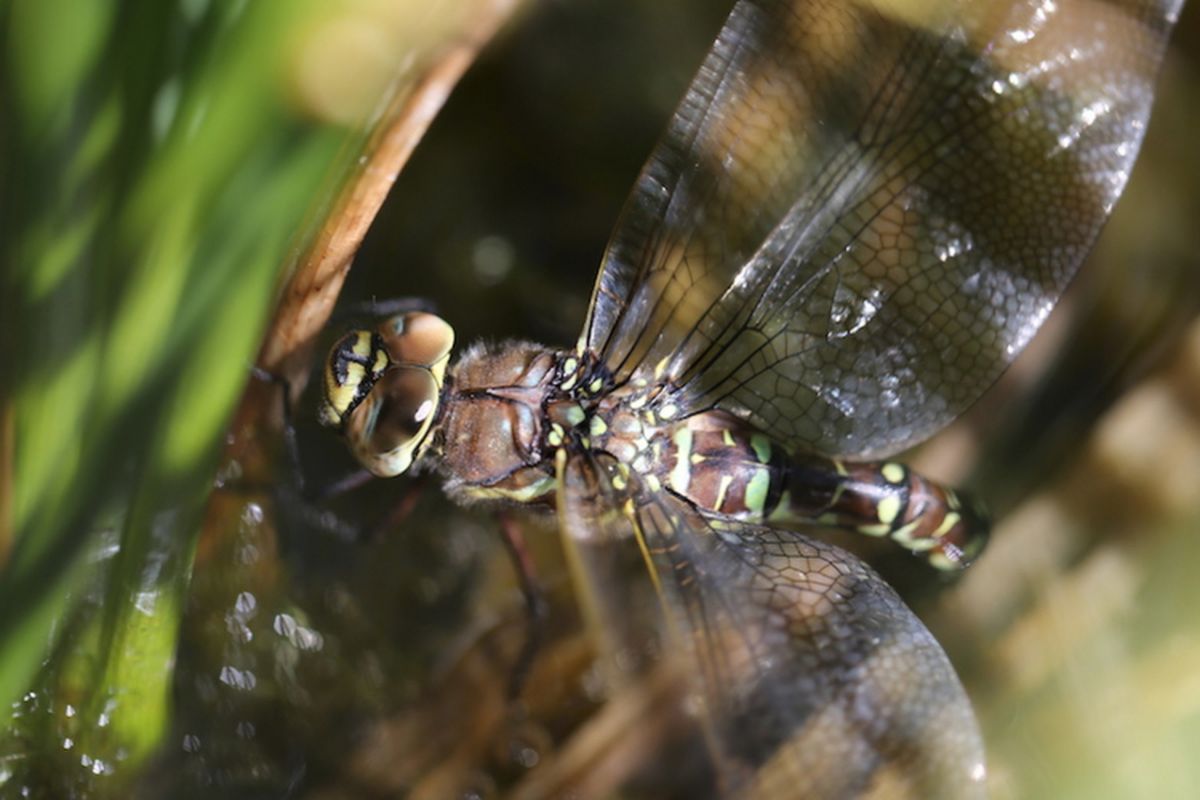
x=291, y=444
x=317, y=495
x=403, y=508
x=535, y=601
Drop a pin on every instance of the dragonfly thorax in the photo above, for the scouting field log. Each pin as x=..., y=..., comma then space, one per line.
x=493, y=441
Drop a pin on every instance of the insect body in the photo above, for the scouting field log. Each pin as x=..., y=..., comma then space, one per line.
x=506, y=413
x=858, y=216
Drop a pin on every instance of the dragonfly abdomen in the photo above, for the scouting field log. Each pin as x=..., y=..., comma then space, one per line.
x=884, y=499
x=728, y=471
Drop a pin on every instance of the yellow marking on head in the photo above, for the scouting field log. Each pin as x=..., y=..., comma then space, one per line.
x=569, y=383
x=874, y=530
x=570, y=364
x=893, y=472
x=362, y=344
x=888, y=508
x=355, y=373
x=596, y=385
x=381, y=361
x=619, y=483
x=575, y=415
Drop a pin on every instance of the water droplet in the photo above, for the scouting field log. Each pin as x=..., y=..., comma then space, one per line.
x=245, y=605
x=238, y=678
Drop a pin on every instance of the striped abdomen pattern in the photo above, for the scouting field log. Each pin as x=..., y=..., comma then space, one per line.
x=730, y=472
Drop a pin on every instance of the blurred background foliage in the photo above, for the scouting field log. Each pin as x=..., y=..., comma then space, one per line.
x=163, y=163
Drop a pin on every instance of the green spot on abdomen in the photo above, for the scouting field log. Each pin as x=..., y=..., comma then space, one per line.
x=762, y=448
x=756, y=491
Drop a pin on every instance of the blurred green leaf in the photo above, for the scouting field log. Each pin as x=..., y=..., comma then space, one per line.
x=161, y=162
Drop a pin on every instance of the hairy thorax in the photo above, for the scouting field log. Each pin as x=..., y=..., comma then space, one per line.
x=490, y=443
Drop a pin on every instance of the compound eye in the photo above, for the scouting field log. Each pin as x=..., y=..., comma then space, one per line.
x=417, y=338
x=355, y=363
x=391, y=422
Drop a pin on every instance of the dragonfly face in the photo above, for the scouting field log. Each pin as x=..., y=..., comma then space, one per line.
x=383, y=388
x=857, y=218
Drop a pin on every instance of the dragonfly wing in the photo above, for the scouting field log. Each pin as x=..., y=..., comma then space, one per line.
x=862, y=210
x=817, y=681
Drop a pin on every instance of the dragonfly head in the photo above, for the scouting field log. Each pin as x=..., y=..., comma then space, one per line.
x=382, y=388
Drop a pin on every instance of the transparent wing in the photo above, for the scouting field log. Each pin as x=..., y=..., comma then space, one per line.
x=863, y=209
x=816, y=679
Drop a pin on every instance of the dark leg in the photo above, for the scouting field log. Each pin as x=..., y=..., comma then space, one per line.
x=535, y=601
x=290, y=443
x=312, y=498
x=403, y=509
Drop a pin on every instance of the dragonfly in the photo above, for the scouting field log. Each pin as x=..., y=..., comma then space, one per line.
x=858, y=216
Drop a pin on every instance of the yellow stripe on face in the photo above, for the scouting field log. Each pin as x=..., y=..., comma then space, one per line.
x=342, y=394
x=362, y=344
x=381, y=361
